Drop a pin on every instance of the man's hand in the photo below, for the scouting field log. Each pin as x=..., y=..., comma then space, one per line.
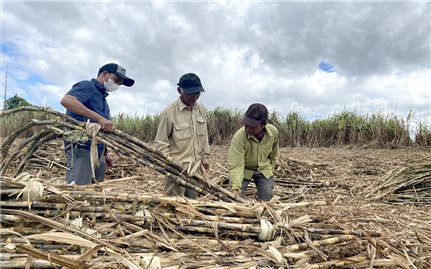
x=206, y=166
x=107, y=125
x=109, y=161
x=72, y=103
x=236, y=191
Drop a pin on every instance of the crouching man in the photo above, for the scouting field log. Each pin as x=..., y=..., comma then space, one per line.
x=253, y=153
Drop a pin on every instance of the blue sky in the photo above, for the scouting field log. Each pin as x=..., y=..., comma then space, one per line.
x=324, y=66
x=316, y=58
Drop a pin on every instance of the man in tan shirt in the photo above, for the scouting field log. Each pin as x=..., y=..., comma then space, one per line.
x=182, y=132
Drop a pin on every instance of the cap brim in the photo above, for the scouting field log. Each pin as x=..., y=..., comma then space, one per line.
x=194, y=89
x=251, y=122
x=128, y=82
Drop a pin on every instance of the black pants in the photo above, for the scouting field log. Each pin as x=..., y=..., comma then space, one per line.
x=264, y=186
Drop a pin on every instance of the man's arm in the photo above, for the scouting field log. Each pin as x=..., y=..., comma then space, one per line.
x=206, y=147
x=164, y=130
x=274, y=152
x=236, y=162
x=72, y=104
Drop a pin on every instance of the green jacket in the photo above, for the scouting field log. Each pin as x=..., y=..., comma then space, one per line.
x=247, y=154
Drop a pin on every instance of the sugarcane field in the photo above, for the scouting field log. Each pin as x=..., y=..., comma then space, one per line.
x=333, y=206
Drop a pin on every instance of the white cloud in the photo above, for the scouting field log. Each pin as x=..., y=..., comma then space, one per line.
x=265, y=52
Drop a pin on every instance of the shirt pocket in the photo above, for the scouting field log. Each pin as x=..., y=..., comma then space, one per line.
x=201, y=126
x=182, y=132
x=264, y=151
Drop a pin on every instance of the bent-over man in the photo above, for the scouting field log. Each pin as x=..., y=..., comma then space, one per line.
x=253, y=153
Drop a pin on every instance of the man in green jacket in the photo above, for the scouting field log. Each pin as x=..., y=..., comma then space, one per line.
x=253, y=153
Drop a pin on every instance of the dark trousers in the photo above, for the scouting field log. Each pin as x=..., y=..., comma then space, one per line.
x=264, y=186
x=79, y=167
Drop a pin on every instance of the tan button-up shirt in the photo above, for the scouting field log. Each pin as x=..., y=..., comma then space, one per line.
x=183, y=134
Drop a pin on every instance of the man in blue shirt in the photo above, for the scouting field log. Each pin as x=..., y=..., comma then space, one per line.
x=86, y=101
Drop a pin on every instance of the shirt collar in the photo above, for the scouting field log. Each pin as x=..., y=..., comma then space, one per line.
x=182, y=106
x=267, y=132
x=100, y=86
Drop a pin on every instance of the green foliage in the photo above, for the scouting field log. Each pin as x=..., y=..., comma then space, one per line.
x=423, y=135
x=13, y=122
x=14, y=102
x=222, y=125
x=143, y=127
x=345, y=128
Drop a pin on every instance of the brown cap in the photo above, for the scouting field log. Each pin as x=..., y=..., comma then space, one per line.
x=256, y=114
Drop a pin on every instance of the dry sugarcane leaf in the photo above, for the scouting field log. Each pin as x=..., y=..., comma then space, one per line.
x=277, y=256
x=151, y=262
x=129, y=263
x=89, y=253
x=52, y=257
x=32, y=191
x=60, y=226
x=10, y=231
x=23, y=177
x=29, y=262
x=372, y=253
x=76, y=137
x=188, y=168
x=92, y=129
x=61, y=237
x=266, y=230
x=195, y=168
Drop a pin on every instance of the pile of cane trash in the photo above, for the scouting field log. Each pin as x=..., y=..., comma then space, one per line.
x=48, y=224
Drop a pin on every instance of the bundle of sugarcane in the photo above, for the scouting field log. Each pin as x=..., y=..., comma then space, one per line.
x=409, y=183
x=49, y=163
x=125, y=145
x=127, y=227
x=268, y=257
x=194, y=215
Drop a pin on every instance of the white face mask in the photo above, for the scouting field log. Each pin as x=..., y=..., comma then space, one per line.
x=110, y=86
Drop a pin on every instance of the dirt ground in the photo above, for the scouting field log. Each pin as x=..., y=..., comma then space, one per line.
x=352, y=166
x=348, y=170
